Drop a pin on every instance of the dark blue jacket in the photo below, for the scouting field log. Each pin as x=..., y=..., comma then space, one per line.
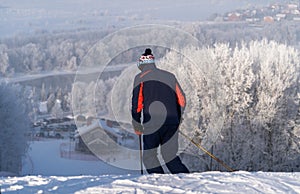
x=156, y=95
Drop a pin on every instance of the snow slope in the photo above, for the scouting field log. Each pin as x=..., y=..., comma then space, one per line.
x=53, y=174
x=44, y=159
x=208, y=182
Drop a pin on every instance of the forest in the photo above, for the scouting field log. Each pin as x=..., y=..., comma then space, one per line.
x=47, y=51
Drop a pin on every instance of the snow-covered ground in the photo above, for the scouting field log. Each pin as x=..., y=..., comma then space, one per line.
x=46, y=172
x=208, y=182
x=44, y=158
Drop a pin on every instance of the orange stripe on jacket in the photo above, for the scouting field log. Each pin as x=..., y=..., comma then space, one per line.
x=140, y=99
x=180, y=96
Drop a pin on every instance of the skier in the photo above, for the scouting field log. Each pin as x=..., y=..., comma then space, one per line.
x=157, y=106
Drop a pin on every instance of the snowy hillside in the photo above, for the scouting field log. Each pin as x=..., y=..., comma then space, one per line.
x=208, y=182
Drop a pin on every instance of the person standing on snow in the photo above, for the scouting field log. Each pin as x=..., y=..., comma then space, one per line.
x=157, y=106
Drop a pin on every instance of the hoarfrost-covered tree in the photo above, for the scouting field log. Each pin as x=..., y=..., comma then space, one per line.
x=4, y=60
x=43, y=93
x=248, y=102
x=78, y=98
x=57, y=111
x=91, y=99
x=100, y=97
x=121, y=94
x=13, y=128
x=261, y=128
x=236, y=79
x=108, y=94
x=276, y=92
x=33, y=57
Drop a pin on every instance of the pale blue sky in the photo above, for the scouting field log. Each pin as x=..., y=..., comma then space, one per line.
x=27, y=16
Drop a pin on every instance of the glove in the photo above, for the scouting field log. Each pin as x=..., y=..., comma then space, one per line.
x=138, y=128
x=138, y=132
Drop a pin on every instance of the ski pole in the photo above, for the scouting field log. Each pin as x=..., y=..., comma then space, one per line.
x=141, y=156
x=207, y=152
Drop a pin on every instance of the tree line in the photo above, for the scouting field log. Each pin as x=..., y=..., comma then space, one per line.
x=65, y=51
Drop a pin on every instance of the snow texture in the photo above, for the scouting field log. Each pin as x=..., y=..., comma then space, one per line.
x=59, y=175
x=208, y=182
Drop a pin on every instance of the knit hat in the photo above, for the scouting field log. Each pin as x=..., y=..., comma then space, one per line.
x=146, y=58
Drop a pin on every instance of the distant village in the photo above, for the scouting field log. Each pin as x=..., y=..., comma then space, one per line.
x=272, y=13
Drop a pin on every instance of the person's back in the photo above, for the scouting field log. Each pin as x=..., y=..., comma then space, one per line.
x=159, y=96
x=157, y=104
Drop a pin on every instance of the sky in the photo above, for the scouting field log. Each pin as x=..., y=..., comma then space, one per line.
x=29, y=16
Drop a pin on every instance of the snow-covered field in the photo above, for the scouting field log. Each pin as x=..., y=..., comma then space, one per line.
x=44, y=158
x=46, y=172
x=207, y=182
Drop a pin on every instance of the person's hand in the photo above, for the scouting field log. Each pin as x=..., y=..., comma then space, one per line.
x=138, y=132
x=138, y=128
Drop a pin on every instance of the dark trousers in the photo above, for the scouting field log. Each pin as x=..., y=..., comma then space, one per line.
x=167, y=138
